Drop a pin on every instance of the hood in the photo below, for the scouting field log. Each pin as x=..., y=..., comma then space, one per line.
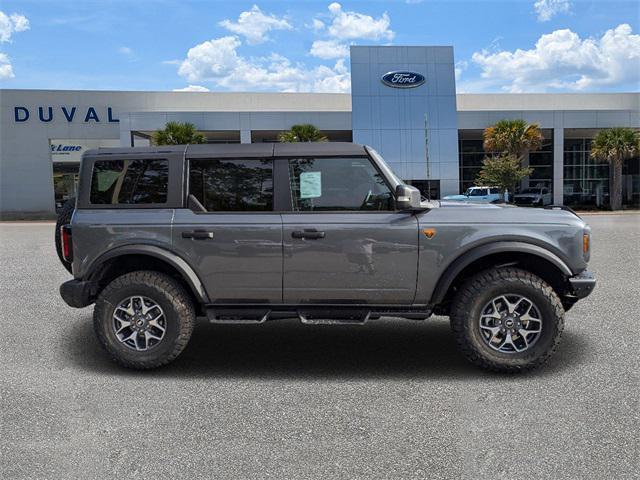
x=464, y=212
x=526, y=195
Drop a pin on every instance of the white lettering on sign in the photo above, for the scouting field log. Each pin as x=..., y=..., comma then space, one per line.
x=403, y=79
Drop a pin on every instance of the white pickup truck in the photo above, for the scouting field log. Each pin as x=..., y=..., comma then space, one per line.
x=536, y=196
x=478, y=195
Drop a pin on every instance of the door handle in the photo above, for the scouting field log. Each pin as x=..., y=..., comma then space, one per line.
x=198, y=234
x=308, y=234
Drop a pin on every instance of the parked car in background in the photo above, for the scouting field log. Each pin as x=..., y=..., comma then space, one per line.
x=536, y=196
x=478, y=195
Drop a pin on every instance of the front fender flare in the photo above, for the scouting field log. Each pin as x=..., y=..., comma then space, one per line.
x=188, y=274
x=464, y=260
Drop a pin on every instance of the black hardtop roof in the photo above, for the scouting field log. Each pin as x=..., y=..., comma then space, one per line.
x=246, y=150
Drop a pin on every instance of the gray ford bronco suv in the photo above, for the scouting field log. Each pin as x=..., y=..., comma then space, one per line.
x=322, y=232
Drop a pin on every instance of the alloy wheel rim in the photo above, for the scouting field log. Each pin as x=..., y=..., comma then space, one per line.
x=139, y=323
x=510, y=323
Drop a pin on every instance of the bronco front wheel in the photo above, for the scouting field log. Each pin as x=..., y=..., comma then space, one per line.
x=507, y=320
x=144, y=319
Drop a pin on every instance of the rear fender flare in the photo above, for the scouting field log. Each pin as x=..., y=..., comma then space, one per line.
x=185, y=270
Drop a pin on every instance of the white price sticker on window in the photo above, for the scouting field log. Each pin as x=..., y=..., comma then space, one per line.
x=310, y=184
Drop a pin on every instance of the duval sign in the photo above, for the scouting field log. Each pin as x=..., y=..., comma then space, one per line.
x=47, y=114
x=403, y=79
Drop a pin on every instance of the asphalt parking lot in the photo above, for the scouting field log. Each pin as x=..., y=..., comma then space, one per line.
x=283, y=400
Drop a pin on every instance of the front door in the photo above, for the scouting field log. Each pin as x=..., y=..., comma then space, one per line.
x=343, y=241
x=235, y=243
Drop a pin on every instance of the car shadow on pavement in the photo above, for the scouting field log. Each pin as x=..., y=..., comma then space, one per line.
x=287, y=349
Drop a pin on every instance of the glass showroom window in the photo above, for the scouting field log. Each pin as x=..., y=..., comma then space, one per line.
x=542, y=163
x=631, y=182
x=471, y=156
x=586, y=181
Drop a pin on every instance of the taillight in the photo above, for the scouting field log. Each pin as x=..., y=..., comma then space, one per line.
x=66, y=242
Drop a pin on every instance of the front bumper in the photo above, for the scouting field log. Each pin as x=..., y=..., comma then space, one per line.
x=583, y=284
x=77, y=293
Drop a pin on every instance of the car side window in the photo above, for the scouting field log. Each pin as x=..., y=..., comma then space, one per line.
x=334, y=184
x=222, y=185
x=117, y=182
x=494, y=191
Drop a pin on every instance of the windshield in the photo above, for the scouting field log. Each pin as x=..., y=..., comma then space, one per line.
x=531, y=190
x=475, y=192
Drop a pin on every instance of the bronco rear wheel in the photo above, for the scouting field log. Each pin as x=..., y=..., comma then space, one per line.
x=507, y=320
x=144, y=319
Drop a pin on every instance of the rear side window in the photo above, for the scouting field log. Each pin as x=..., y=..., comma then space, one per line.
x=129, y=182
x=232, y=185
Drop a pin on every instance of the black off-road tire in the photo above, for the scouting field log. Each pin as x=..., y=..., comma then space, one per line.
x=480, y=289
x=64, y=217
x=166, y=292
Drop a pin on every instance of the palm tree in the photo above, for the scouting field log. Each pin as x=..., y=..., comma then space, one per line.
x=509, y=141
x=177, y=133
x=302, y=133
x=615, y=145
x=515, y=138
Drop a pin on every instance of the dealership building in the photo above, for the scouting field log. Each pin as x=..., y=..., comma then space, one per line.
x=430, y=135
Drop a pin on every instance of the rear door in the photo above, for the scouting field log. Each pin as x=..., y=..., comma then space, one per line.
x=235, y=242
x=343, y=240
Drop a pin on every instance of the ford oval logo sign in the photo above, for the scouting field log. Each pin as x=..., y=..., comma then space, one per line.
x=401, y=79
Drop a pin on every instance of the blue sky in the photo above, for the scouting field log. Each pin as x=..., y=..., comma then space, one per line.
x=514, y=46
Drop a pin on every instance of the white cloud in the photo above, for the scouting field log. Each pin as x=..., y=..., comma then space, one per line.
x=317, y=25
x=334, y=80
x=218, y=61
x=547, y=9
x=6, y=70
x=347, y=25
x=561, y=60
x=328, y=49
x=10, y=24
x=254, y=25
x=212, y=59
x=127, y=51
x=192, y=88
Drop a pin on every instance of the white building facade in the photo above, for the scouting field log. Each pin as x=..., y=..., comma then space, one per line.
x=403, y=103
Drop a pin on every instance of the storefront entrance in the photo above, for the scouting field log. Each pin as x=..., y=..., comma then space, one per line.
x=65, y=182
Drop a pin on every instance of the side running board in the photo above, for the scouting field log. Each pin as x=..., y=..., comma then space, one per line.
x=334, y=317
x=237, y=316
x=308, y=315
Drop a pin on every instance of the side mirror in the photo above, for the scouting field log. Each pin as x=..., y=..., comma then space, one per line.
x=408, y=198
